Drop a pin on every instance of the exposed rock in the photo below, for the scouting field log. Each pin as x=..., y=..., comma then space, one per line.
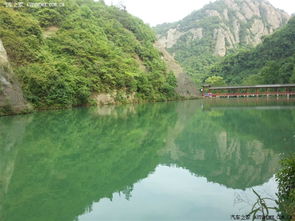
x=220, y=49
x=273, y=16
x=198, y=40
x=258, y=30
x=224, y=41
x=185, y=85
x=11, y=96
x=240, y=22
x=247, y=12
x=50, y=31
x=231, y=4
x=3, y=55
x=254, y=7
x=240, y=17
x=213, y=13
x=197, y=33
x=104, y=98
x=114, y=97
x=236, y=30
x=225, y=14
x=171, y=38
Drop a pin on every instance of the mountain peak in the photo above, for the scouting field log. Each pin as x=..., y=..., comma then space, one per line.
x=219, y=27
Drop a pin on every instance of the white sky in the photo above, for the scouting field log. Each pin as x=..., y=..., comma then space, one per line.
x=156, y=12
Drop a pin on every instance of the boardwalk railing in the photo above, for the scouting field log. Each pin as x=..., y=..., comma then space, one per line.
x=250, y=91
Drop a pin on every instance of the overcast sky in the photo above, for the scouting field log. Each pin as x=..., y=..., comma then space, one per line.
x=156, y=12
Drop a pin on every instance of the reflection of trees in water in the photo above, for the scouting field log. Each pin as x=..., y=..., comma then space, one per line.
x=69, y=159
x=237, y=148
x=11, y=134
x=74, y=158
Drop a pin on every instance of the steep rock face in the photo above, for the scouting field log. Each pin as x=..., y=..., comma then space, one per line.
x=185, y=86
x=271, y=62
x=11, y=96
x=217, y=28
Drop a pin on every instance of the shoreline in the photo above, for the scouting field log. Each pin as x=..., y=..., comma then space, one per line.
x=31, y=110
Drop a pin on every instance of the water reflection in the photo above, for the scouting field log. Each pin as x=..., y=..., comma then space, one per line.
x=173, y=194
x=238, y=148
x=54, y=165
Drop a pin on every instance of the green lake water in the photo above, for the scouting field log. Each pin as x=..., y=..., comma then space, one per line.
x=182, y=161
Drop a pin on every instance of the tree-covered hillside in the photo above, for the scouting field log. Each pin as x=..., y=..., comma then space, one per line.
x=271, y=62
x=64, y=55
x=218, y=29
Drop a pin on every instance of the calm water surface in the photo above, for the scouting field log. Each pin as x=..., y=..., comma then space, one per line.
x=182, y=161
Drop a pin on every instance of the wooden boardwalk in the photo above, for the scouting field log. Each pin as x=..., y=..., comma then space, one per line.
x=249, y=91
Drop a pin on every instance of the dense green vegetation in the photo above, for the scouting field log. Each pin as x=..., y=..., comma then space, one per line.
x=63, y=55
x=273, y=61
x=217, y=22
x=195, y=55
x=286, y=193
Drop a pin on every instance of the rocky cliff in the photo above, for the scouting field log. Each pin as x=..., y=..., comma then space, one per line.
x=220, y=27
x=11, y=96
x=186, y=87
x=271, y=62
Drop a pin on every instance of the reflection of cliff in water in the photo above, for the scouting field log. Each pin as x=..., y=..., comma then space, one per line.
x=11, y=134
x=237, y=148
x=69, y=159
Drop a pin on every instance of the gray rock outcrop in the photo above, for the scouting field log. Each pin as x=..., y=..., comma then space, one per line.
x=11, y=95
x=186, y=88
x=234, y=22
